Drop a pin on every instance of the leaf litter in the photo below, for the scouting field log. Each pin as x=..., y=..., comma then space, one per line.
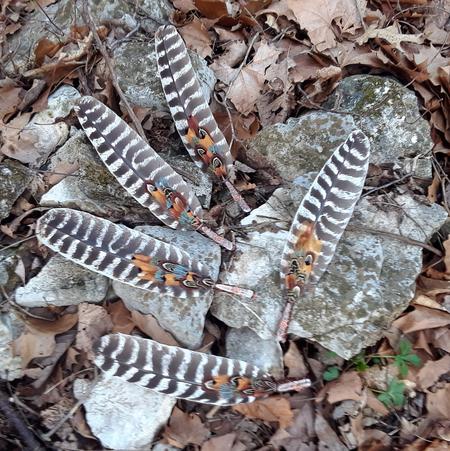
x=272, y=59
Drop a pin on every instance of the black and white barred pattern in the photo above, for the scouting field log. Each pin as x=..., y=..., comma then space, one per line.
x=108, y=249
x=184, y=94
x=328, y=205
x=177, y=372
x=130, y=159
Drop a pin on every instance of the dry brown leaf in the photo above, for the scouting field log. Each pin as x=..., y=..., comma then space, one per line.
x=212, y=9
x=275, y=408
x=300, y=435
x=426, y=301
x=422, y=318
x=440, y=338
x=150, y=326
x=348, y=386
x=390, y=34
x=246, y=83
x=93, y=322
x=328, y=440
x=196, y=37
x=33, y=344
x=11, y=95
x=221, y=443
x=120, y=317
x=184, y=5
x=430, y=373
x=438, y=403
x=184, y=429
x=233, y=54
x=373, y=402
x=293, y=361
x=318, y=16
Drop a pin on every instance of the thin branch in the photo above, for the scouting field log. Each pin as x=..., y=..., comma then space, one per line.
x=90, y=23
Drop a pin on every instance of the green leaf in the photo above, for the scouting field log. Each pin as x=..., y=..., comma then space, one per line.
x=360, y=362
x=331, y=373
x=405, y=357
x=394, y=395
x=330, y=355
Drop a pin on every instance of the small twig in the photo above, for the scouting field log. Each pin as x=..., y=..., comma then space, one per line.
x=395, y=236
x=61, y=32
x=16, y=243
x=393, y=182
x=90, y=23
x=69, y=414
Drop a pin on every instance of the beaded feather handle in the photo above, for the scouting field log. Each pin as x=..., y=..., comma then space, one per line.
x=141, y=171
x=186, y=374
x=193, y=118
x=321, y=220
x=126, y=255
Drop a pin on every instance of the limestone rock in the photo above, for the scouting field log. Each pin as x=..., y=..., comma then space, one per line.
x=123, y=415
x=369, y=282
x=43, y=134
x=60, y=283
x=14, y=179
x=244, y=344
x=382, y=108
x=388, y=113
x=65, y=13
x=10, y=366
x=95, y=190
x=183, y=318
x=142, y=85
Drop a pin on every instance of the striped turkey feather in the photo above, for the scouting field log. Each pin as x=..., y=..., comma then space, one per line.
x=110, y=249
x=141, y=171
x=193, y=118
x=131, y=160
x=185, y=374
x=321, y=220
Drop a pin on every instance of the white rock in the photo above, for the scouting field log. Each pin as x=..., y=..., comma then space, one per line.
x=122, y=415
x=10, y=366
x=62, y=282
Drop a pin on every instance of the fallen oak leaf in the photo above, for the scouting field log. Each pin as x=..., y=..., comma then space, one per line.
x=430, y=373
x=196, y=37
x=438, y=403
x=422, y=318
x=348, y=386
x=150, y=326
x=275, y=408
x=185, y=429
x=120, y=317
x=390, y=34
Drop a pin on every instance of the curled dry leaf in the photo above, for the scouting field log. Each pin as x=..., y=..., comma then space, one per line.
x=422, y=318
x=430, y=373
x=275, y=408
x=390, y=34
x=438, y=403
x=221, y=443
x=150, y=326
x=196, y=37
x=348, y=386
x=185, y=429
x=318, y=16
